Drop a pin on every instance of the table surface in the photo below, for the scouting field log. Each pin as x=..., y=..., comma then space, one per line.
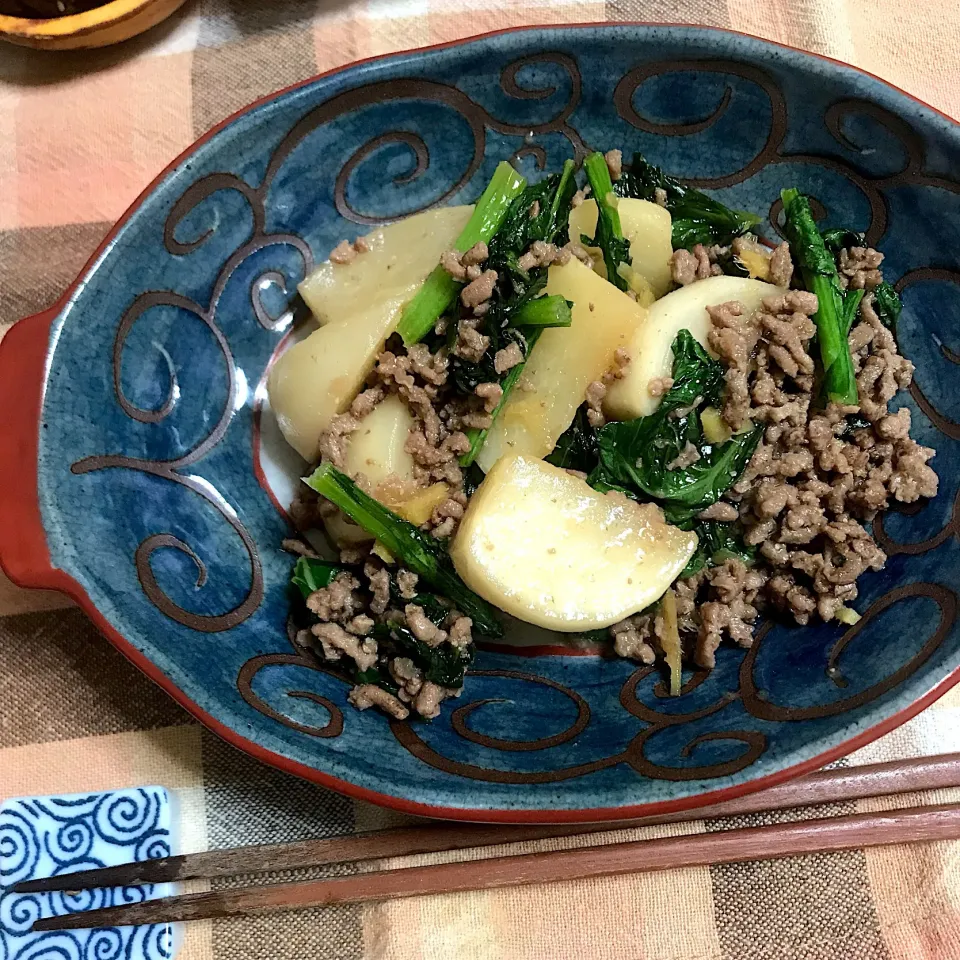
x=80, y=135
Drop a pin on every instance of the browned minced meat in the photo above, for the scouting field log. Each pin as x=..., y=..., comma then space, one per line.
x=658, y=386
x=596, y=391
x=812, y=482
x=688, y=266
x=507, y=358
x=422, y=627
x=614, y=160
x=299, y=547
x=594, y=397
x=720, y=511
x=540, y=254
x=368, y=695
x=335, y=642
x=338, y=601
x=344, y=252
x=447, y=515
x=470, y=345
x=480, y=290
x=407, y=584
x=429, y=698
x=781, y=266
x=575, y=249
x=632, y=637
x=333, y=441
x=461, y=630
x=490, y=393
x=859, y=268
x=465, y=266
x=688, y=456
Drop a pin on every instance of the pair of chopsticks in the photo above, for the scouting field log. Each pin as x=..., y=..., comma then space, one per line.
x=941, y=822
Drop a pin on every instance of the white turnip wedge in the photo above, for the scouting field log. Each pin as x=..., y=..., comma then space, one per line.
x=547, y=548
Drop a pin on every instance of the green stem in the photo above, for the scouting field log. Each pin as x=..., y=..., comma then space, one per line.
x=415, y=549
x=609, y=233
x=440, y=289
x=478, y=437
x=820, y=277
x=553, y=311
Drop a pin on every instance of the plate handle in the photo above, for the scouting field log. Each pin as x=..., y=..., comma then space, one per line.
x=23, y=544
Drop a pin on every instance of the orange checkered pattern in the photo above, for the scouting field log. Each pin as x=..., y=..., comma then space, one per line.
x=80, y=135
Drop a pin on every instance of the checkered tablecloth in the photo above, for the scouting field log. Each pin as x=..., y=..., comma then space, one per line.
x=80, y=135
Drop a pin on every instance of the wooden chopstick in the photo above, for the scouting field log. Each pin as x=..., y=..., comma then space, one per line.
x=728, y=846
x=824, y=786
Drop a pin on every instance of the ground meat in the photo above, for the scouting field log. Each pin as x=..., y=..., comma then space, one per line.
x=480, y=290
x=380, y=588
x=660, y=197
x=299, y=547
x=407, y=676
x=810, y=485
x=575, y=249
x=344, y=252
x=475, y=255
x=632, y=637
x=461, y=631
x=859, y=268
x=333, y=441
x=452, y=262
x=540, y=254
x=723, y=512
x=490, y=393
x=422, y=627
x=338, y=601
x=428, y=700
x=335, y=642
x=658, y=386
x=578, y=198
x=614, y=160
x=367, y=695
x=618, y=370
x=447, y=515
x=687, y=266
x=407, y=584
x=688, y=456
x=470, y=345
x=508, y=357
x=781, y=266
x=593, y=397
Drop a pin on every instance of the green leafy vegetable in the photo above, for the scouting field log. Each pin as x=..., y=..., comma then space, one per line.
x=853, y=421
x=609, y=234
x=440, y=289
x=310, y=574
x=838, y=238
x=697, y=218
x=478, y=436
x=886, y=302
x=851, y=306
x=577, y=447
x=637, y=453
x=717, y=542
x=543, y=312
x=417, y=550
x=517, y=290
x=820, y=277
x=444, y=664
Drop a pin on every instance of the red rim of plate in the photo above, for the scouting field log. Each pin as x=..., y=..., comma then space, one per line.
x=28, y=414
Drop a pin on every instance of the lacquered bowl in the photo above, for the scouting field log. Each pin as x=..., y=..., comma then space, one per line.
x=141, y=474
x=110, y=23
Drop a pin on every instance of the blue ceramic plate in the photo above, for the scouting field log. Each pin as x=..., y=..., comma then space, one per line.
x=144, y=483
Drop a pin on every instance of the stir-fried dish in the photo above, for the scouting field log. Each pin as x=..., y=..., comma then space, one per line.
x=606, y=409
